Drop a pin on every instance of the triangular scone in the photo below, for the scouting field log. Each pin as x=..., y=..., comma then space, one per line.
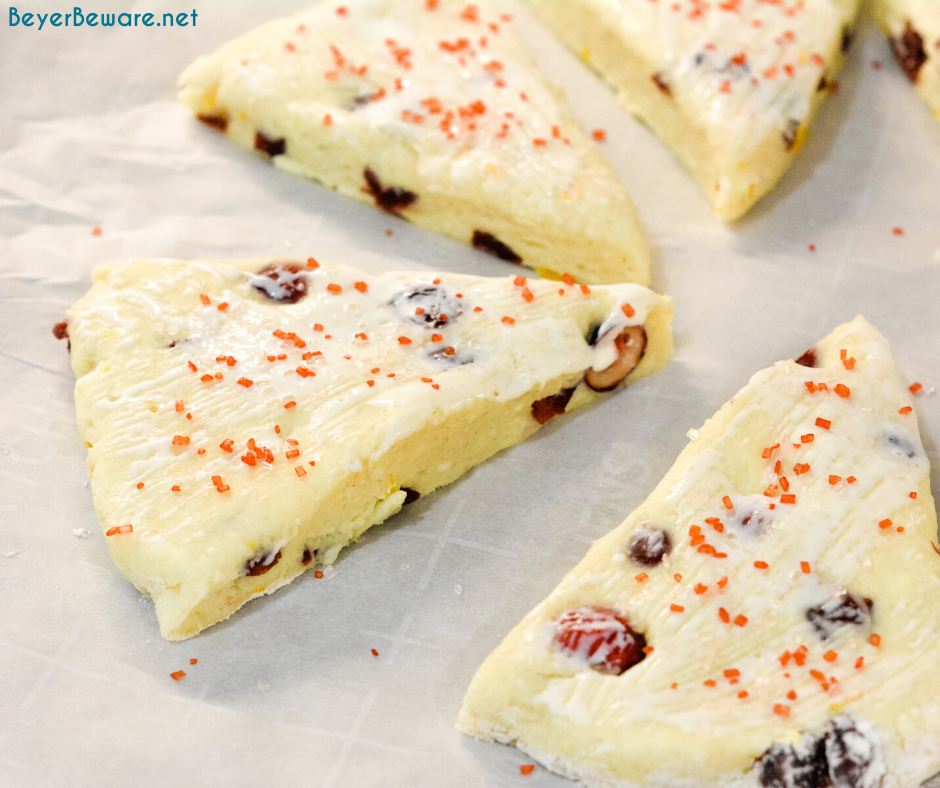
x=729, y=86
x=768, y=617
x=433, y=111
x=246, y=420
x=913, y=29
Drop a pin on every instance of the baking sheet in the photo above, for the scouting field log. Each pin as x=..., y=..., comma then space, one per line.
x=287, y=691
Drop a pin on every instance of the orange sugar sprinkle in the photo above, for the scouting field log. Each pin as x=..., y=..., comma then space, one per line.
x=519, y=281
x=120, y=529
x=180, y=406
x=647, y=650
x=335, y=289
x=292, y=454
x=277, y=428
x=642, y=577
x=227, y=445
x=849, y=363
x=788, y=498
x=727, y=502
x=915, y=388
x=741, y=620
x=834, y=479
x=851, y=480
x=362, y=287
x=804, y=565
x=246, y=382
x=300, y=470
x=914, y=495
x=697, y=540
x=761, y=564
x=628, y=310
x=249, y=459
x=723, y=582
x=885, y=524
x=201, y=451
x=177, y=675
x=539, y=143
x=404, y=341
x=193, y=661
x=223, y=306
x=897, y=230
x=370, y=383
x=732, y=673
x=205, y=299
x=830, y=656
x=586, y=290
x=875, y=640
x=743, y=695
x=808, y=438
x=700, y=589
x=290, y=405
x=140, y=485
x=782, y=711
x=599, y=134
x=508, y=321
x=526, y=769
x=824, y=423
x=694, y=530
x=180, y=440
x=710, y=683
x=677, y=578
x=568, y=279
x=436, y=282
x=207, y=378
x=765, y=454
x=437, y=337
x=527, y=295
x=905, y=410
x=784, y=483
x=842, y=391
x=859, y=663
x=724, y=615
x=785, y=658
x=801, y=468
x=718, y=527
x=677, y=608
x=771, y=490
x=791, y=695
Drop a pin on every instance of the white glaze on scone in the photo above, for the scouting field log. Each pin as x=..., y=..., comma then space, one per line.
x=743, y=76
x=441, y=101
x=227, y=426
x=747, y=650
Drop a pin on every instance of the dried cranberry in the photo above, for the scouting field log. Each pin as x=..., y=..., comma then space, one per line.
x=410, y=495
x=489, y=243
x=630, y=344
x=808, y=359
x=833, y=614
x=601, y=637
x=429, y=306
x=545, y=409
x=908, y=49
x=800, y=765
x=61, y=331
x=848, y=36
x=262, y=563
x=285, y=283
x=217, y=122
x=790, y=134
x=661, y=83
x=852, y=756
x=389, y=198
x=649, y=547
x=269, y=146
x=307, y=557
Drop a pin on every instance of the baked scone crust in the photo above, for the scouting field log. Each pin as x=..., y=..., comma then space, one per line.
x=245, y=420
x=913, y=30
x=434, y=112
x=730, y=87
x=775, y=626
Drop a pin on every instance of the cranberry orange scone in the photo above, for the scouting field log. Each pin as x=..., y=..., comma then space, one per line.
x=730, y=87
x=247, y=420
x=431, y=110
x=913, y=29
x=768, y=617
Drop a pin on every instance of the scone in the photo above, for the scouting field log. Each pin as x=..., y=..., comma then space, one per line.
x=431, y=110
x=246, y=420
x=768, y=617
x=730, y=87
x=913, y=30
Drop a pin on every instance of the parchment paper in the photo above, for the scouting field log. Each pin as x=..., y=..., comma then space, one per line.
x=287, y=692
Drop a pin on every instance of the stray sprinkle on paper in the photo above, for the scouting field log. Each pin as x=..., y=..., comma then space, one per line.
x=692, y=435
x=81, y=533
x=14, y=554
x=263, y=687
x=329, y=573
x=405, y=567
x=458, y=589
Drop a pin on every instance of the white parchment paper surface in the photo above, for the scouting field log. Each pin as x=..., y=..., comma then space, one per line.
x=287, y=692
